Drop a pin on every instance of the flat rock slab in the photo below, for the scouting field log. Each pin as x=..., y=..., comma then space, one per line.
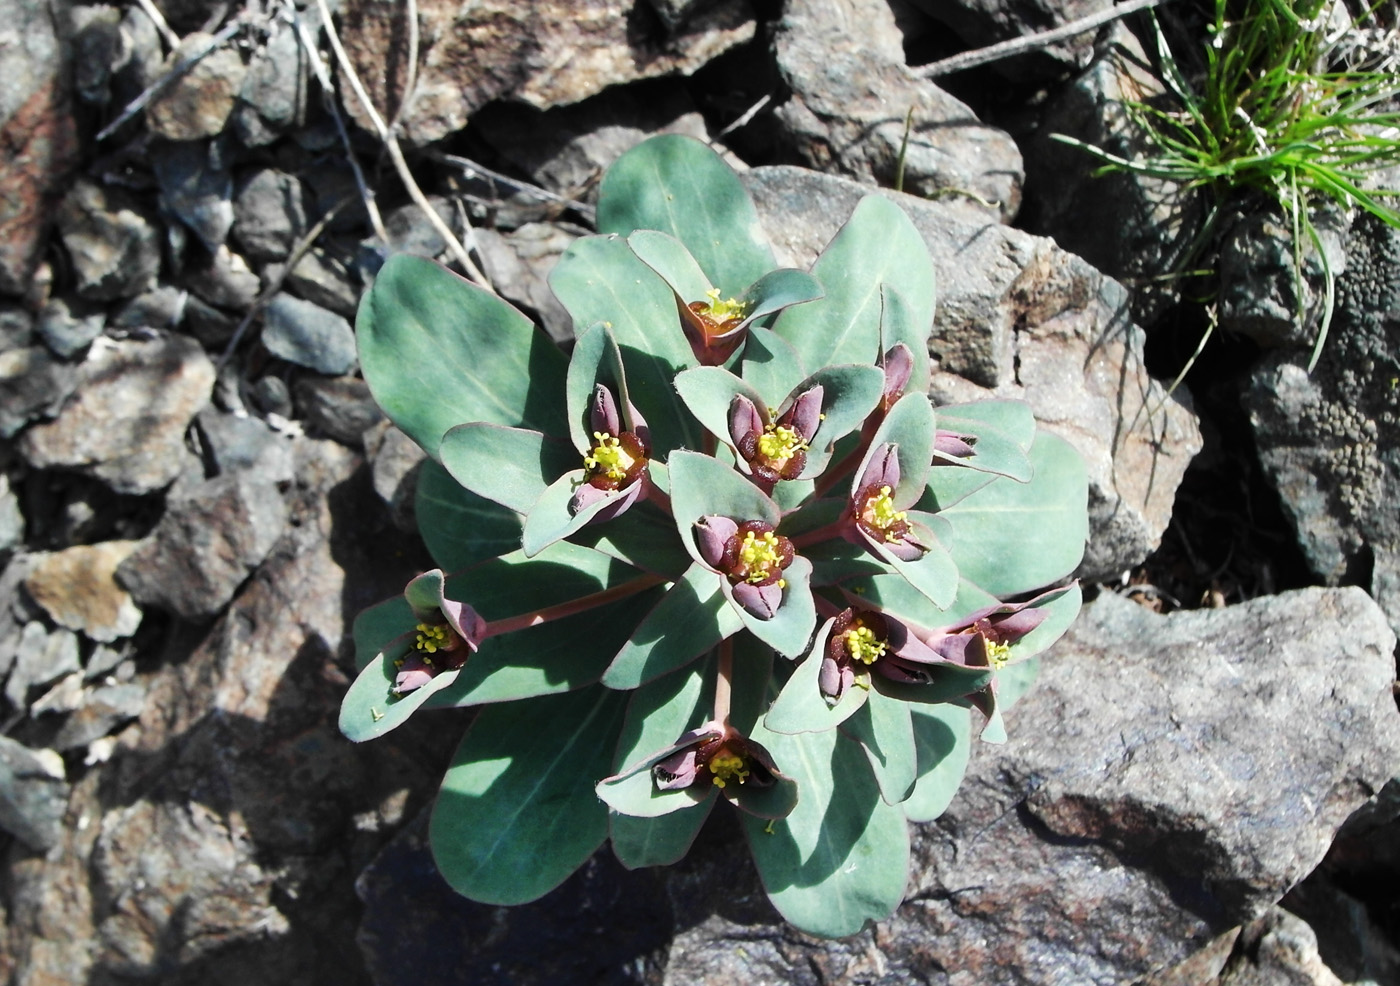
x=206, y=545
x=1167, y=780
x=1018, y=317
x=126, y=423
x=78, y=589
x=547, y=53
x=844, y=62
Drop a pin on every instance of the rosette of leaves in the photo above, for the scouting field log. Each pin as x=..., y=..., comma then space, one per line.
x=725, y=555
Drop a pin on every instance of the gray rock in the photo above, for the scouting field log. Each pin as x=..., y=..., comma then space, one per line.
x=1166, y=780
x=16, y=327
x=321, y=279
x=224, y=833
x=244, y=444
x=273, y=97
x=69, y=327
x=341, y=408
x=395, y=461
x=163, y=307
x=42, y=658
x=1328, y=440
x=410, y=231
x=844, y=62
x=1279, y=949
x=38, y=133
x=192, y=15
x=97, y=51
x=567, y=149
x=308, y=335
x=552, y=54
x=104, y=659
x=271, y=396
x=1129, y=226
x=1019, y=317
x=223, y=279
x=33, y=795
x=77, y=589
x=126, y=423
x=206, y=546
x=198, y=103
x=519, y=263
x=11, y=518
x=111, y=241
x=212, y=327
x=101, y=710
x=196, y=187
x=269, y=214
x=33, y=384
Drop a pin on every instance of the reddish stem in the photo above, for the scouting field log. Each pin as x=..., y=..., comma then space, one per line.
x=836, y=529
x=724, y=680
x=511, y=623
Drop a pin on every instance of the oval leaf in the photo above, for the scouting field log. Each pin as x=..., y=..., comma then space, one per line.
x=516, y=813
x=677, y=185
x=438, y=351
x=1012, y=537
x=459, y=527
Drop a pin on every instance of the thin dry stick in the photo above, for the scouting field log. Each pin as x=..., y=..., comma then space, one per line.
x=1031, y=42
x=260, y=302
x=178, y=69
x=748, y=115
x=158, y=19
x=470, y=167
x=391, y=145
x=328, y=99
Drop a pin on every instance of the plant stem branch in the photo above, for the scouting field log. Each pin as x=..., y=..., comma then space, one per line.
x=550, y=613
x=724, y=680
x=1031, y=42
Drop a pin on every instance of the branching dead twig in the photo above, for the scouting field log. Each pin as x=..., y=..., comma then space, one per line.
x=391, y=145
x=470, y=167
x=158, y=19
x=298, y=251
x=328, y=99
x=1031, y=42
x=182, y=66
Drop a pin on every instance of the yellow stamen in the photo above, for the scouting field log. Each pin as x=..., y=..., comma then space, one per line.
x=431, y=639
x=997, y=654
x=722, y=311
x=880, y=513
x=759, y=554
x=779, y=443
x=726, y=768
x=863, y=645
x=608, y=457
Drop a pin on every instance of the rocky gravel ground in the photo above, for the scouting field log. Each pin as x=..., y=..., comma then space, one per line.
x=197, y=495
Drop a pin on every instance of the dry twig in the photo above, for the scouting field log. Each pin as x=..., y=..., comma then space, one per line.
x=1031, y=42
x=182, y=66
x=328, y=99
x=391, y=145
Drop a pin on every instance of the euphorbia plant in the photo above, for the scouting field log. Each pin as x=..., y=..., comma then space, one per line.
x=724, y=551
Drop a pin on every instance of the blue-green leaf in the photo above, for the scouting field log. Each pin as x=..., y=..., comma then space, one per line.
x=883, y=730
x=771, y=366
x=1012, y=537
x=841, y=858
x=943, y=735
x=600, y=280
x=679, y=186
x=691, y=618
x=459, y=527
x=878, y=246
x=517, y=813
x=800, y=707
x=510, y=466
x=375, y=628
x=438, y=351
